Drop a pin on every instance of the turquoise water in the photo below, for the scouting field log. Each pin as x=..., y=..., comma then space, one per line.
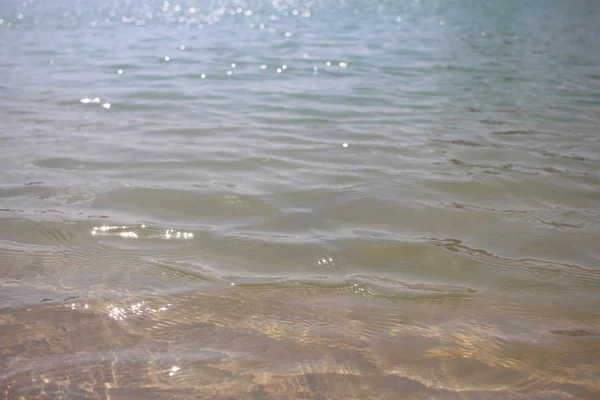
x=300, y=199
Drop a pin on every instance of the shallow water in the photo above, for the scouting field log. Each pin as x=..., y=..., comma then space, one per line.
x=300, y=199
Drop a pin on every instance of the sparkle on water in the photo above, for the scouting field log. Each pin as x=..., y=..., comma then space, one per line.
x=141, y=231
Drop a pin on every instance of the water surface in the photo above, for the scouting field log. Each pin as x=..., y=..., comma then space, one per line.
x=300, y=199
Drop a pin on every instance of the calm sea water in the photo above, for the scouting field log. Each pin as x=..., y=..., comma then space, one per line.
x=300, y=199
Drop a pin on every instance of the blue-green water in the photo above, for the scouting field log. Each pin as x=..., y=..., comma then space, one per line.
x=300, y=199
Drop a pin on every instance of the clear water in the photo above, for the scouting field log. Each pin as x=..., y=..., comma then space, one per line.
x=300, y=199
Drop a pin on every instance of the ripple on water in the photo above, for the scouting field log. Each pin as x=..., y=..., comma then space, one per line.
x=291, y=325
